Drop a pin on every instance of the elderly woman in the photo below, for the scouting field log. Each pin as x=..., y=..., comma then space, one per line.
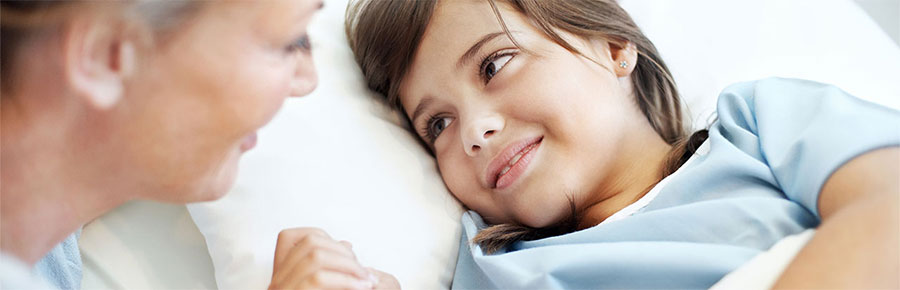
x=108, y=102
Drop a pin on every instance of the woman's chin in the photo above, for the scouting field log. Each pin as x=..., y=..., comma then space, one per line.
x=198, y=184
x=210, y=192
x=222, y=183
x=212, y=195
x=216, y=184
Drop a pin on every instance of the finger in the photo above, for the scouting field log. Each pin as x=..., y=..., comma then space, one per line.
x=305, y=260
x=335, y=280
x=385, y=280
x=288, y=239
x=314, y=243
x=374, y=274
x=347, y=244
x=298, y=255
x=308, y=269
x=322, y=280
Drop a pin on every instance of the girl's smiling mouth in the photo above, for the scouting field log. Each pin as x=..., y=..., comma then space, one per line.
x=511, y=163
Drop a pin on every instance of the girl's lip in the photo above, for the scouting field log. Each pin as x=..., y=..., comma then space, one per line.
x=249, y=142
x=492, y=175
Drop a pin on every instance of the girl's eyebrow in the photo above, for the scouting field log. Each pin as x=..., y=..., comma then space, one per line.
x=421, y=108
x=470, y=54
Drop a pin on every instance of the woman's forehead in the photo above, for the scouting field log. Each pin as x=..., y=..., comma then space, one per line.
x=260, y=14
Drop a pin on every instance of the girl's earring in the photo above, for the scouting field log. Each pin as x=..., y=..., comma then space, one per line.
x=623, y=64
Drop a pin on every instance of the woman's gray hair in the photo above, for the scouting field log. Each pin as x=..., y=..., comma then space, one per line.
x=20, y=21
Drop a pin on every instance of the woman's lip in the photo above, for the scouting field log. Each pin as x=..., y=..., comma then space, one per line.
x=492, y=174
x=249, y=142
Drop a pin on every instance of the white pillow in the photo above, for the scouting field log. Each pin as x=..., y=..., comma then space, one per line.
x=710, y=44
x=339, y=160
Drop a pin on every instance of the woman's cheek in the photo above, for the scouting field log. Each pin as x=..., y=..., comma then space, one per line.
x=268, y=96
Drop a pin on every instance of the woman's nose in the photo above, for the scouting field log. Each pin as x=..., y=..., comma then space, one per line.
x=480, y=133
x=305, y=79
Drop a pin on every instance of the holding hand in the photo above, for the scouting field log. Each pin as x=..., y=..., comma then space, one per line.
x=307, y=258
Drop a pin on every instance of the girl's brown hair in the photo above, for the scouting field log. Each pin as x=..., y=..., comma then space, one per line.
x=385, y=34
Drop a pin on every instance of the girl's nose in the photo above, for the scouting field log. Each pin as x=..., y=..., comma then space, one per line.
x=480, y=132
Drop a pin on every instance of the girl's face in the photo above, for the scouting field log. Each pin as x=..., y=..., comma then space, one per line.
x=519, y=134
x=196, y=99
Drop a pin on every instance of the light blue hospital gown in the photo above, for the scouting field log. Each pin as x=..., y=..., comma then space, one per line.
x=775, y=143
x=59, y=269
x=62, y=266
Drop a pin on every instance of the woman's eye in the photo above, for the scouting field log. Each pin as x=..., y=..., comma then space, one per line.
x=437, y=125
x=301, y=43
x=493, y=65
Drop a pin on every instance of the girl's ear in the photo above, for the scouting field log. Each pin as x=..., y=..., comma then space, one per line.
x=624, y=58
x=97, y=59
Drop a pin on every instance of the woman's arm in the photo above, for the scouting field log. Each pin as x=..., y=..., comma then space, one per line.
x=856, y=246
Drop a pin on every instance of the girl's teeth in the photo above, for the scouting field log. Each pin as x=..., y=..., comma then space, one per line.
x=515, y=159
x=518, y=156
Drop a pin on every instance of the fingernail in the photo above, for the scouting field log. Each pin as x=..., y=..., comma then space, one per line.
x=367, y=284
x=373, y=278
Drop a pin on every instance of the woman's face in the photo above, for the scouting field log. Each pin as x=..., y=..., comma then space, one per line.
x=518, y=134
x=197, y=98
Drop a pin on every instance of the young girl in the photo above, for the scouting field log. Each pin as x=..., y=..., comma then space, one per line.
x=560, y=127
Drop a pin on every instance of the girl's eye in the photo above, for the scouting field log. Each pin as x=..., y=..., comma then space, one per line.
x=493, y=64
x=436, y=125
x=302, y=44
